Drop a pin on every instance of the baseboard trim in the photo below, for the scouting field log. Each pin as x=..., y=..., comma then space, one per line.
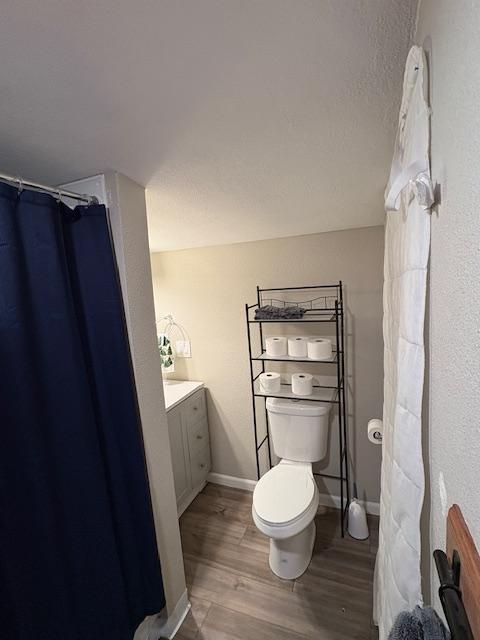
x=160, y=626
x=326, y=500
x=231, y=481
x=373, y=508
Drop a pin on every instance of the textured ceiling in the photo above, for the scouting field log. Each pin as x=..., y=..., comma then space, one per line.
x=245, y=119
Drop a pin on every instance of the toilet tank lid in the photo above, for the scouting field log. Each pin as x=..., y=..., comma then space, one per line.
x=296, y=407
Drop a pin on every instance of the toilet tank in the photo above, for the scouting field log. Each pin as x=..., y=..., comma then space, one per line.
x=299, y=430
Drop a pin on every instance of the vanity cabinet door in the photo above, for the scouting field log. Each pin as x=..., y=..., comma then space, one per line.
x=180, y=461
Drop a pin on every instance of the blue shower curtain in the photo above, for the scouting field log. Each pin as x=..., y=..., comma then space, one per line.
x=78, y=556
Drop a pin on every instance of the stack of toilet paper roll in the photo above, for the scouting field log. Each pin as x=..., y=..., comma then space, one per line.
x=312, y=348
x=297, y=346
x=319, y=348
x=270, y=382
x=302, y=384
x=276, y=346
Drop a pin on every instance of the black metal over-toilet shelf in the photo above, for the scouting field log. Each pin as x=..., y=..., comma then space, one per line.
x=322, y=304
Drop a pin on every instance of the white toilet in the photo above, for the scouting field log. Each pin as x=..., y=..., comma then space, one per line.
x=285, y=499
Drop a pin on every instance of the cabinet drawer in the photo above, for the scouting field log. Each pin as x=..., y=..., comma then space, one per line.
x=197, y=435
x=200, y=466
x=194, y=409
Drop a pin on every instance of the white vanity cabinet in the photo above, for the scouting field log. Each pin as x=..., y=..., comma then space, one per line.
x=189, y=439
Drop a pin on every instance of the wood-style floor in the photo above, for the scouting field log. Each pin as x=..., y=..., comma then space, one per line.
x=235, y=596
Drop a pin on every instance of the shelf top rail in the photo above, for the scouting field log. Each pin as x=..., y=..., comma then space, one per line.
x=319, y=286
x=307, y=305
x=328, y=300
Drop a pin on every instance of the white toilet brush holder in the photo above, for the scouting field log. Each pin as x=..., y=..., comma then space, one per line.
x=357, y=519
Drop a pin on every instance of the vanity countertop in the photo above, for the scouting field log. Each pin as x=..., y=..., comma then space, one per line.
x=176, y=391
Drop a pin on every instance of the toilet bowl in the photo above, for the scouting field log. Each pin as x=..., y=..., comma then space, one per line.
x=285, y=499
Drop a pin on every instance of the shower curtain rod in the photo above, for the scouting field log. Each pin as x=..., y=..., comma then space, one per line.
x=21, y=183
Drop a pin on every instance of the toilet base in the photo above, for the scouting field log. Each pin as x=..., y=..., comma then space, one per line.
x=290, y=557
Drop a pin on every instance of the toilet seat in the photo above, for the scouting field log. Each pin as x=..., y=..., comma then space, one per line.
x=285, y=499
x=283, y=493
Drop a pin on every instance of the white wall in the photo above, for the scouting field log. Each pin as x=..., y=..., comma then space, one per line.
x=247, y=119
x=206, y=290
x=449, y=32
x=126, y=201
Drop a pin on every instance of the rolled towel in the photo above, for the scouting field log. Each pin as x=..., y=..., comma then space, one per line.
x=294, y=312
x=269, y=312
x=419, y=624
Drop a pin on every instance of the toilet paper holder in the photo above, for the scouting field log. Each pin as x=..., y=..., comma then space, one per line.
x=375, y=431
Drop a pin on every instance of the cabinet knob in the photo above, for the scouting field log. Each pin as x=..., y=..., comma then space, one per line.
x=199, y=437
x=202, y=466
x=195, y=408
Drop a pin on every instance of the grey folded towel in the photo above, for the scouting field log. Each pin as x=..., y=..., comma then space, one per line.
x=419, y=624
x=269, y=312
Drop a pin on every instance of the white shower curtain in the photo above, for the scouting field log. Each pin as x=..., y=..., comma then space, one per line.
x=407, y=241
